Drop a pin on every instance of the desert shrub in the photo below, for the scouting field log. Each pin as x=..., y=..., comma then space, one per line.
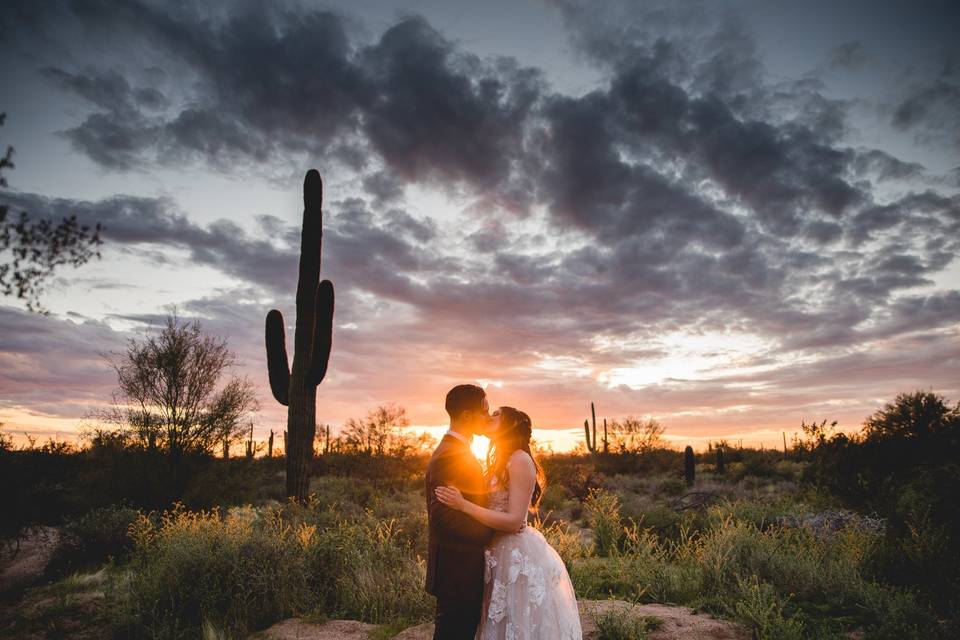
x=903, y=467
x=760, y=606
x=367, y=571
x=554, y=498
x=93, y=538
x=192, y=570
x=602, y=509
x=623, y=624
x=566, y=539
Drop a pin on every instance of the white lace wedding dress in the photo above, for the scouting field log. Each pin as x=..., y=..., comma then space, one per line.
x=527, y=591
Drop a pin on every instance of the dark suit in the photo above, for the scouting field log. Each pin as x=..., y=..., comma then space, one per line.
x=455, y=557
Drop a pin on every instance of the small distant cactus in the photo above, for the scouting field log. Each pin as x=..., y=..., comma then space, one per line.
x=270, y=445
x=721, y=465
x=689, y=465
x=591, y=434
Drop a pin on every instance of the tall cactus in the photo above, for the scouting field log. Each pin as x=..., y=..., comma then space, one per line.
x=296, y=387
x=689, y=466
x=721, y=465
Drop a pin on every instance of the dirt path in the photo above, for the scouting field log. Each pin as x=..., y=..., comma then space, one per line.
x=679, y=623
x=25, y=567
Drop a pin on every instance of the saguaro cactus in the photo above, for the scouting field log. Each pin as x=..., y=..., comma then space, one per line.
x=270, y=445
x=606, y=444
x=591, y=434
x=721, y=465
x=689, y=466
x=296, y=386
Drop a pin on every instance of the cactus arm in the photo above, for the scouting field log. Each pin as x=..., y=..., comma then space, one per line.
x=323, y=337
x=277, y=366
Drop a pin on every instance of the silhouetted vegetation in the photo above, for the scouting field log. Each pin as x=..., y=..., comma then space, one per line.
x=32, y=250
x=904, y=466
x=170, y=398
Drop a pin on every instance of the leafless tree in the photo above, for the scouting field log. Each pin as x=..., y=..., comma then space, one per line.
x=635, y=435
x=169, y=395
x=381, y=432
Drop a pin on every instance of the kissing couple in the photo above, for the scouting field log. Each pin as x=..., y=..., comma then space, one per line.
x=495, y=577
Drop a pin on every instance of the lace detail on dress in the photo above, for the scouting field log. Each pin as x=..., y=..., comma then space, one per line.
x=527, y=591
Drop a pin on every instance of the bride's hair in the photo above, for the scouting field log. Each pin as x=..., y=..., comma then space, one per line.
x=514, y=433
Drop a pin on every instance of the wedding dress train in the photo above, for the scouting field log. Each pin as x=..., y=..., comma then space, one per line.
x=527, y=591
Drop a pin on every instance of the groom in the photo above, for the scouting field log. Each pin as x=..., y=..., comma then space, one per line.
x=455, y=554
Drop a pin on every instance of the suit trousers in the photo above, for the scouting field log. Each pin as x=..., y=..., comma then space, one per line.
x=456, y=618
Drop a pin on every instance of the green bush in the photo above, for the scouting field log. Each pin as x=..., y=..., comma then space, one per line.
x=622, y=624
x=192, y=571
x=92, y=539
x=602, y=510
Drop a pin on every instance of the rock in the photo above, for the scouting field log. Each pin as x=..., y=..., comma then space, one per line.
x=679, y=623
x=297, y=629
x=26, y=566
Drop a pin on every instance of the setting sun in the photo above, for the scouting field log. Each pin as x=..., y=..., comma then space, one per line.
x=479, y=447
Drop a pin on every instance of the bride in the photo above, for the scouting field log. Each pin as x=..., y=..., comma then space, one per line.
x=527, y=591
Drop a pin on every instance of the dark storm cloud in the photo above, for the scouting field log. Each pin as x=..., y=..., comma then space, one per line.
x=374, y=254
x=623, y=166
x=440, y=112
x=848, y=55
x=267, y=83
x=687, y=191
x=931, y=108
x=130, y=222
x=885, y=167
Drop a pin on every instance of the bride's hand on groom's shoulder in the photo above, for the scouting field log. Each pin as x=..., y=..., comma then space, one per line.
x=451, y=497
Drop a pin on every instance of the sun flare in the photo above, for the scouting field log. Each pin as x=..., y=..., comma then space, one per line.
x=479, y=447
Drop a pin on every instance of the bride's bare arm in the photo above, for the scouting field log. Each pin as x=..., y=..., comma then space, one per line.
x=523, y=476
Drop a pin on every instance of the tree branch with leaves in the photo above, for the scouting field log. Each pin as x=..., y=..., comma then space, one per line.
x=32, y=250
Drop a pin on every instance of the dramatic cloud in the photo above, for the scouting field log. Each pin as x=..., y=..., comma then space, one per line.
x=585, y=241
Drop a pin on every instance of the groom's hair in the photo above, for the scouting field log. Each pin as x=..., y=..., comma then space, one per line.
x=464, y=397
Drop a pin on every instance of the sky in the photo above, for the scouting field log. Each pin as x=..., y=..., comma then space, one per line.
x=729, y=216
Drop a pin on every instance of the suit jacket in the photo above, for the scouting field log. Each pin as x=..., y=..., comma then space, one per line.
x=455, y=551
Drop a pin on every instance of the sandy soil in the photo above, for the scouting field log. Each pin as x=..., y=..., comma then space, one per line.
x=679, y=623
